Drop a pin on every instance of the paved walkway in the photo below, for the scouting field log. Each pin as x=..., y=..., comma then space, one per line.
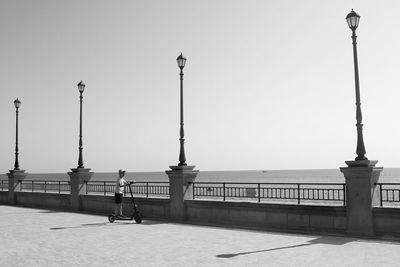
x=34, y=237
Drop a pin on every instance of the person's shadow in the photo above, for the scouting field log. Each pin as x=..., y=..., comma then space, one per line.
x=88, y=225
x=329, y=240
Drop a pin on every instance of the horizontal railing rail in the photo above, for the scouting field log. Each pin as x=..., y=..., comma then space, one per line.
x=389, y=193
x=300, y=193
x=4, y=185
x=144, y=189
x=295, y=192
x=46, y=186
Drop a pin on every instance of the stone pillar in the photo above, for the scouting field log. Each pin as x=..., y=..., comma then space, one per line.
x=180, y=189
x=361, y=195
x=78, y=177
x=15, y=177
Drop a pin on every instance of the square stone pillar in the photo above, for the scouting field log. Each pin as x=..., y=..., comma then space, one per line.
x=361, y=195
x=78, y=178
x=15, y=177
x=180, y=189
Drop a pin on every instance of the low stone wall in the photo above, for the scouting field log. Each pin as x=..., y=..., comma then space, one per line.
x=3, y=197
x=386, y=221
x=43, y=200
x=329, y=219
x=149, y=207
x=269, y=216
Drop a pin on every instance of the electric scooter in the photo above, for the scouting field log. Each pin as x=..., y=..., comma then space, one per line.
x=135, y=216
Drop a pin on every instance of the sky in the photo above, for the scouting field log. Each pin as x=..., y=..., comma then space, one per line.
x=267, y=84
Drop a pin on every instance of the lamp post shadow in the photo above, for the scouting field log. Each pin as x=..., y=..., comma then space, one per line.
x=325, y=240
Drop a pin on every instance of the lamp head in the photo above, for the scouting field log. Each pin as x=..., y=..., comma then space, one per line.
x=17, y=103
x=353, y=19
x=181, y=61
x=81, y=86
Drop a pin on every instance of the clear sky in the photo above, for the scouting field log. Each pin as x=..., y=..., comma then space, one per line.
x=267, y=85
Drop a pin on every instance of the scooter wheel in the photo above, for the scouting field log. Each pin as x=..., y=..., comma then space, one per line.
x=111, y=218
x=137, y=217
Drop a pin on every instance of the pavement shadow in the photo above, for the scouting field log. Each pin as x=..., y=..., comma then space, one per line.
x=50, y=211
x=88, y=225
x=326, y=240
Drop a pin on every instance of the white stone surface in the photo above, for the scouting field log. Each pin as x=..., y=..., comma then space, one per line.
x=34, y=237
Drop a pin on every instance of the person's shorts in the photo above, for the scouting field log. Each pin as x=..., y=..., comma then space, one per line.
x=118, y=198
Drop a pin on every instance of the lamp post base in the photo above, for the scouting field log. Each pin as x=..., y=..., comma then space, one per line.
x=15, y=177
x=181, y=180
x=78, y=179
x=362, y=195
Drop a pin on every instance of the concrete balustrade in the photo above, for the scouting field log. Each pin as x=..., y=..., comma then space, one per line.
x=361, y=216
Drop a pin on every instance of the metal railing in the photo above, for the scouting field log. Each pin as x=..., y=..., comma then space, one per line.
x=287, y=192
x=46, y=186
x=389, y=193
x=4, y=185
x=144, y=189
x=300, y=193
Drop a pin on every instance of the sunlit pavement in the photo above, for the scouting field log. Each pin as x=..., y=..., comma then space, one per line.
x=35, y=237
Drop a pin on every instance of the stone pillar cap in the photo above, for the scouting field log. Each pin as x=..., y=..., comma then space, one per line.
x=80, y=169
x=182, y=168
x=17, y=171
x=361, y=163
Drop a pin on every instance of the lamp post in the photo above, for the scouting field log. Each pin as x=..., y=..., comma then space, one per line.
x=80, y=175
x=17, y=104
x=182, y=176
x=353, y=19
x=81, y=88
x=182, y=158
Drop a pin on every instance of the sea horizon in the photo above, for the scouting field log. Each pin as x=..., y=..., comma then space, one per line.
x=250, y=176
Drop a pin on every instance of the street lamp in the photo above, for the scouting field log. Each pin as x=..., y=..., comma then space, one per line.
x=17, y=104
x=81, y=88
x=353, y=19
x=182, y=158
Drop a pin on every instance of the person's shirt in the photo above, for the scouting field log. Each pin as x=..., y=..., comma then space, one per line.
x=120, y=185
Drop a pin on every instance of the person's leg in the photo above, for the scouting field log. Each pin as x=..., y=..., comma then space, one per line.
x=120, y=209
x=117, y=204
x=116, y=209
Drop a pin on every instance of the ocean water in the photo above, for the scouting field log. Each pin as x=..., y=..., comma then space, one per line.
x=250, y=176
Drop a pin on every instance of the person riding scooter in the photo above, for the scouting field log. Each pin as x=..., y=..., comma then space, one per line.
x=120, y=185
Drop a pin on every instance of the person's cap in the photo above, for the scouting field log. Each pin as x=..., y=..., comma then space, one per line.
x=121, y=171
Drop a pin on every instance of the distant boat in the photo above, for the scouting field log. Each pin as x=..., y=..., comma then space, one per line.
x=264, y=171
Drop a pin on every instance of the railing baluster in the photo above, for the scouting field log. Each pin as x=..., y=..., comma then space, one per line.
x=344, y=194
x=298, y=193
x=223, y=185
x=147, y=189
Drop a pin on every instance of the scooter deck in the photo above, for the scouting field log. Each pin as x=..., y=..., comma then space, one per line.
x=123, y=218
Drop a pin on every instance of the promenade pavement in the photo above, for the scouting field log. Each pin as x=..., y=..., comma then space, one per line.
x=36, y=237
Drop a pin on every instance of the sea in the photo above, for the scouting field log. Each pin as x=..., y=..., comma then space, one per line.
x=389, y=175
